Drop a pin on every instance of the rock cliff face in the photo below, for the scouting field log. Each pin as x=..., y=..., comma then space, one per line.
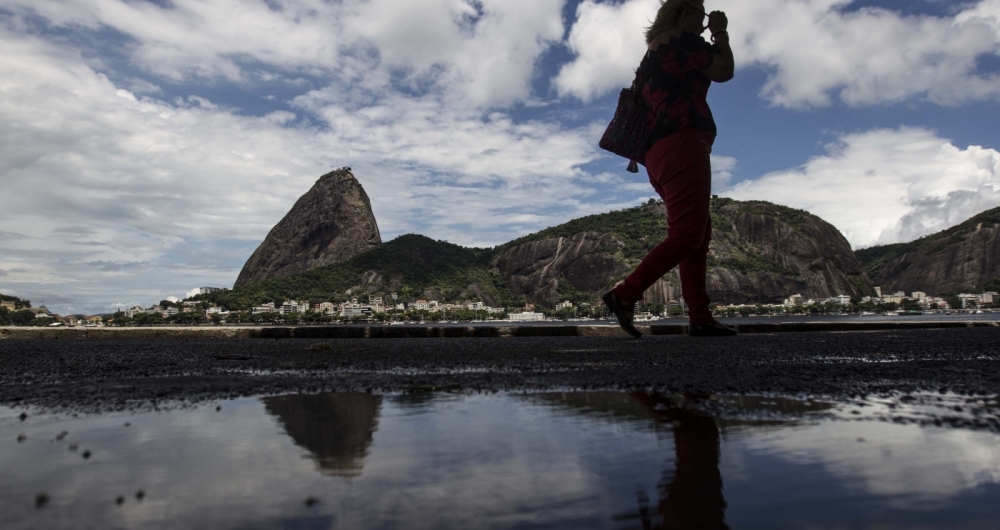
x=586, y=261
x=961, y=258
x=331, y=223
x=763, y=252
x=760, y=252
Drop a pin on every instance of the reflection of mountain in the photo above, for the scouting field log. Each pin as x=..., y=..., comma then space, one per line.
x=336, y=428
x=614, y=407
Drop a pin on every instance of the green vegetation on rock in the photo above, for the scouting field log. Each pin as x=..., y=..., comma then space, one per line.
x=415, y=266
x=640, y=228
x=409, y=265
x=959, y=259
x=19, y=316
x=875, y=257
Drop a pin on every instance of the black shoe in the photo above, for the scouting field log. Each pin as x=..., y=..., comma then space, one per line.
x=623, y=313
x=715, y=329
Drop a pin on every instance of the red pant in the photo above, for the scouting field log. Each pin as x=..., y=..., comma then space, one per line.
x=680, y=171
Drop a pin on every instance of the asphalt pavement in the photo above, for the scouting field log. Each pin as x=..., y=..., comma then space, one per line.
x=123, y=373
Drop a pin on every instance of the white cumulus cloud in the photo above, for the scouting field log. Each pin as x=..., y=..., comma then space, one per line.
x=886, y=185
x=481, y=52
x=112, y=197
x=816, y=51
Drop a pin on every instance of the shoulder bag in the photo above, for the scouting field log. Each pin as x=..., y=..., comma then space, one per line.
x=627, y=133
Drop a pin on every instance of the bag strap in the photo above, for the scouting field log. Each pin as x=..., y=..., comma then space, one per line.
x=633, y=166
x=638, y=72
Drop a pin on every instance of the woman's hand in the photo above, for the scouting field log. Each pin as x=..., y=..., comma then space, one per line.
x=722, y=67
x=717, y=22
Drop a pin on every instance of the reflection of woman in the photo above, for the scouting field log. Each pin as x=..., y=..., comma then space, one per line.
x=693, y=497
x=674, y=80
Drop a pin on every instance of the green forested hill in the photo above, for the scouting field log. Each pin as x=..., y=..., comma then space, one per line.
x=874, y=258
x=638, y=228
x=963, y=257
x=409, y=265
x=755, y=244
x=17, y=301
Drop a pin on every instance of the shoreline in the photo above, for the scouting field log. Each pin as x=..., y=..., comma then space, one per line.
x=412, y=331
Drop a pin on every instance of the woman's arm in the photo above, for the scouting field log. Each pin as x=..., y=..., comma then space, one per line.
x=722, y=67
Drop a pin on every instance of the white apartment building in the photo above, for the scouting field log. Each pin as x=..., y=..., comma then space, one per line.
x=794, y=300
x=526, y=316
x=294, y=306
x=327, y=308
x=266, y=308
x=841, y=299
x=566, y=304
x=354, y=309
x=964, y=299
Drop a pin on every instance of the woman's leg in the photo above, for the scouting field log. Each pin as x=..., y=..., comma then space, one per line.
x=692, y=270
x=680, y=165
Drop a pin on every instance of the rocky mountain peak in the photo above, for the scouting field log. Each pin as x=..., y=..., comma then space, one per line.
x=331, y=223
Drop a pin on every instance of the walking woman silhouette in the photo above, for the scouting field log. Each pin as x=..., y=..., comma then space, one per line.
x=675, y=77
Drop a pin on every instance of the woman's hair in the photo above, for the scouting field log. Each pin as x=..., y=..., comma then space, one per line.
x=666, y=17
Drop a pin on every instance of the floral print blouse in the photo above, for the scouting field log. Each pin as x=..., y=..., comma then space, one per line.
x=675, y=89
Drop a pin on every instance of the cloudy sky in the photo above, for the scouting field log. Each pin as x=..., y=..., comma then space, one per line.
x=147, y=146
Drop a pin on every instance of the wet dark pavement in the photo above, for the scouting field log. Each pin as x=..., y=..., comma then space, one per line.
x=102, y=375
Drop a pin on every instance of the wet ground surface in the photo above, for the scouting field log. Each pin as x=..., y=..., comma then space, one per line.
x=508, y=460
x=104, y=375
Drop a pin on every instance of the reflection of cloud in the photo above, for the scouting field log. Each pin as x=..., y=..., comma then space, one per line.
x=470, y=462
x=460, y=462
x=916, y=467
x=612, y=407
x=336, y=428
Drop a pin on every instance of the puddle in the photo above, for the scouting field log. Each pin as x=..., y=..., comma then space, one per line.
x=556, y=460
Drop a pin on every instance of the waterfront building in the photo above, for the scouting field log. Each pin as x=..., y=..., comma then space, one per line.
x=266, y=308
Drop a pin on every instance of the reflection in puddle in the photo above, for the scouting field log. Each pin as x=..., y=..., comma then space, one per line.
x=555, y=460
x=336, y=428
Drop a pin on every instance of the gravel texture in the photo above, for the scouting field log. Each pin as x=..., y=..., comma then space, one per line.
x=101, y=375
